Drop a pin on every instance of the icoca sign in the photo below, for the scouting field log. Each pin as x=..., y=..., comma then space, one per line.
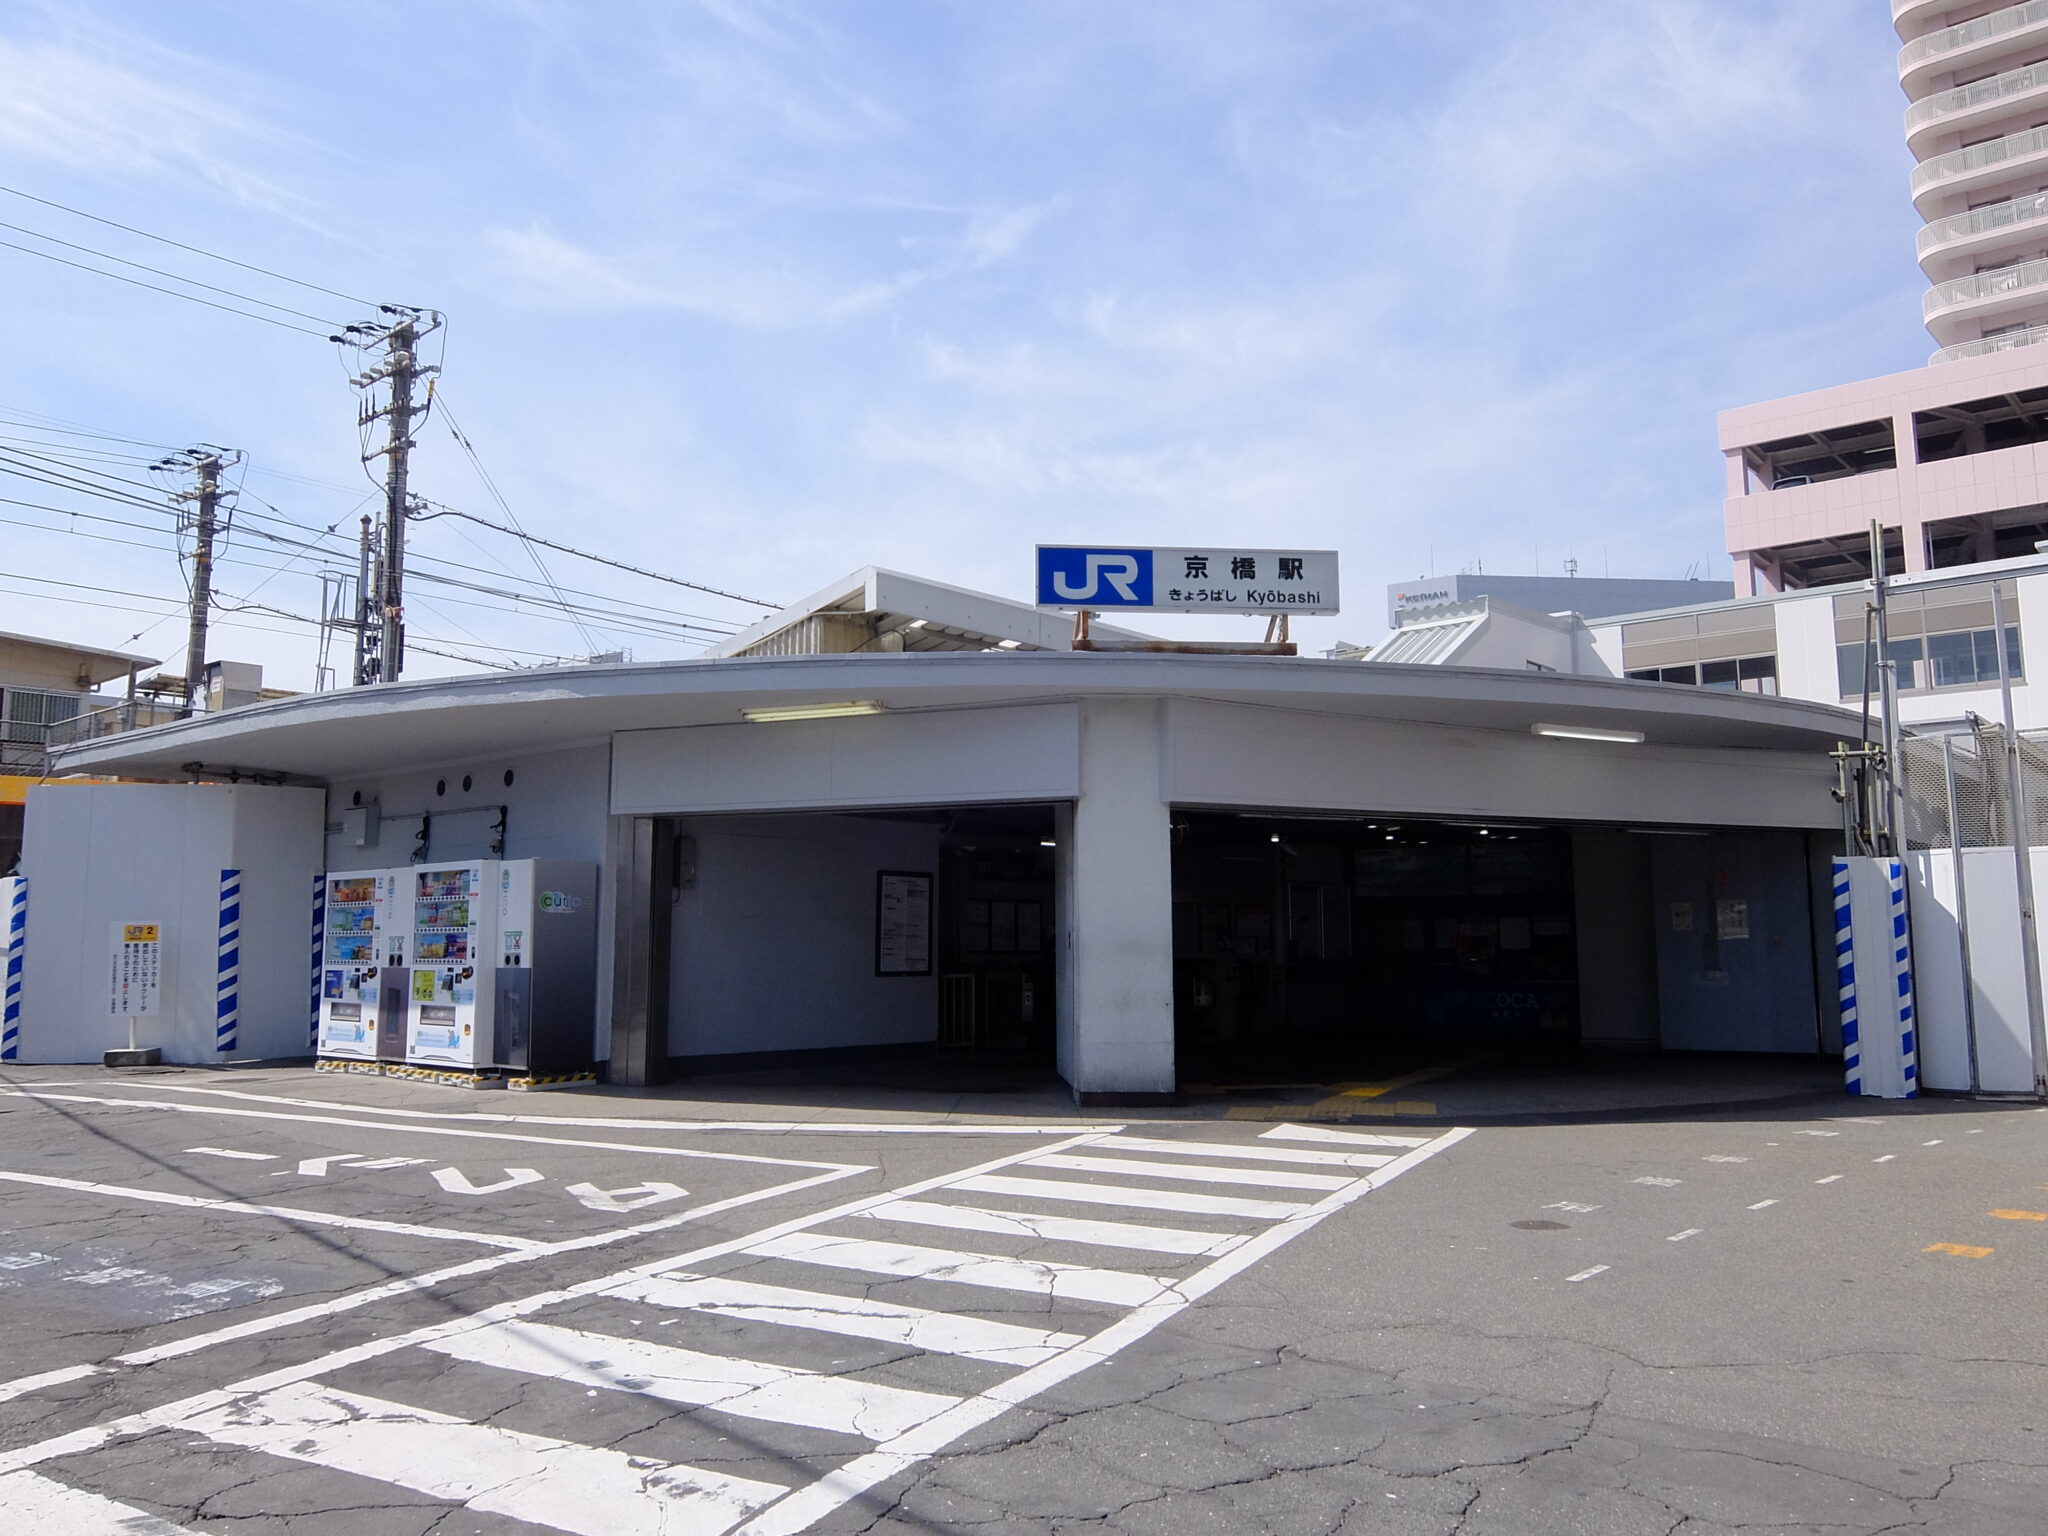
x=1224, y=579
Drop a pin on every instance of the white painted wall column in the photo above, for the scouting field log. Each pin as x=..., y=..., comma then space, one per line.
x=1115, y=907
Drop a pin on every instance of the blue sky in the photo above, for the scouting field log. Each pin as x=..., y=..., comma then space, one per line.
x=757, y=293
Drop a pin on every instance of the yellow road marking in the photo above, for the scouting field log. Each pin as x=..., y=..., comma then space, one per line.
x=2021, y=1215
x=1377, y=1090
x=1959, y=1250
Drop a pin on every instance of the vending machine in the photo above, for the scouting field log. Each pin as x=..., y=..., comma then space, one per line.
x=362, y=1015
x=453, y=917
x=544, y=1014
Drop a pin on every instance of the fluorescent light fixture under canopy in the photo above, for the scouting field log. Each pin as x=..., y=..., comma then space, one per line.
x=774, y=712
x=1586, y=733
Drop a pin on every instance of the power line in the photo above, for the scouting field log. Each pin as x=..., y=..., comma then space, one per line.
x=584, y=554
x=157, y=288
x=469, y=451
x=284, y=309
x=181, y=245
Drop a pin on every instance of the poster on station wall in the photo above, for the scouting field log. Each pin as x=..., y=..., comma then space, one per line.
x=903, y=923
x=134, y=970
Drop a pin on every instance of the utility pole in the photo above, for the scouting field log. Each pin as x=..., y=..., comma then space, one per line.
x=368, y=623
x=399, y=337
x=205, y=463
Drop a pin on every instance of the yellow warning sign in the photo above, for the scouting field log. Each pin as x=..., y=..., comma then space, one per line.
x=138, y=933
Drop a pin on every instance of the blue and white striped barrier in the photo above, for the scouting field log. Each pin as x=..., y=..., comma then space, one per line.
x=17, y=956
x=227, y=987
x=319, y=950
x=1874, y=969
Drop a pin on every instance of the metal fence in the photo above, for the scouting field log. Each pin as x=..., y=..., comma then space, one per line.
x=1957, y=788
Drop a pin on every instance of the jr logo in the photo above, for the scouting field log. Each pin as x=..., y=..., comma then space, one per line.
x=1108, y=578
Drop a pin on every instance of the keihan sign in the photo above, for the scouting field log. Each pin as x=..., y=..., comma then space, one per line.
x=1221, y=580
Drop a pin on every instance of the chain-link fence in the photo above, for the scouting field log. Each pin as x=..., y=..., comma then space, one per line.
x=1956, y=788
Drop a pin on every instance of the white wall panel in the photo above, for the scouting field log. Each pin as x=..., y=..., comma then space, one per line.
x=1938, y=972
x=944, y=757
x=774, y=945
x=1232, y=755
x=2004, y=1059
x=106, y=853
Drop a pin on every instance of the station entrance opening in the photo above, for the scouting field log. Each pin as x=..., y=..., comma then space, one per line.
x=842, y=939
x=1328, y=948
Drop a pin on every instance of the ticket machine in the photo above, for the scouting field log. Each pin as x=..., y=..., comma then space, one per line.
x=360, y=1017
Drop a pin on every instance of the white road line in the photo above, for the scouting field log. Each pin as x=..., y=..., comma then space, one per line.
x=1570, y=1205
x=500, y=1471
x=804, y=1508
x=1829, y=1179
x=1886, y=1158
x=1679, y=1237
x=1354, y=1138
x=775, y=1394
x=1038, y=1277
x=405, y=1286
x=1816, y=1133
x=49, y=1508
x=1934, y=1143
x=1260, y=1154
x=1661, y=1183
x=1723, y=1157
x=383, y=1128
x=1196, y=1173
x=94, y=1436
x=21, y=1386
x=1762, y=1204
x=253, y=1157
x=1124, y=1194
x=629, y=1123
x=286, y=1212
x=1065, y=1229
x=944, y=1333
x=1586, y=1274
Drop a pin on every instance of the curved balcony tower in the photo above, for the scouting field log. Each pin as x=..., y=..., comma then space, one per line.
x=1977, y=124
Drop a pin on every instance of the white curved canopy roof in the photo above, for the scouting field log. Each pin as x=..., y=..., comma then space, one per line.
x=389, y=726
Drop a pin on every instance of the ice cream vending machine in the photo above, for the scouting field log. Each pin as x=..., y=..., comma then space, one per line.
x=363, y=1008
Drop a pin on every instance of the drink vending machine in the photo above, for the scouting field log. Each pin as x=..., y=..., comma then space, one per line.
x=452, y=911
x=504, y=964
x=363, y=1012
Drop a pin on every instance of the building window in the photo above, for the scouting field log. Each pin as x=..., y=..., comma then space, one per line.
x=1749, y=674
x=1960, y=659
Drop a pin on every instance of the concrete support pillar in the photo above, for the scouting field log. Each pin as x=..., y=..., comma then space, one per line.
x=1114, y=869
x=640, y=891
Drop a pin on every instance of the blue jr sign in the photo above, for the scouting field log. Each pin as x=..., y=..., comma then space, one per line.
x=1223, y=580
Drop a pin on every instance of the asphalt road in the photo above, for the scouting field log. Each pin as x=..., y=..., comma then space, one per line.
x=278, y=1302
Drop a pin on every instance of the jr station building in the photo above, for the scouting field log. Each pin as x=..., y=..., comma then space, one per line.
x=901, y=817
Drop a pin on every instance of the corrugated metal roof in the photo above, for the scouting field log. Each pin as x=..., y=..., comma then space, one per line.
x=1429, y=644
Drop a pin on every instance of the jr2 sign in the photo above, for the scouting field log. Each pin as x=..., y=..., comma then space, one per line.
x=1220, y=580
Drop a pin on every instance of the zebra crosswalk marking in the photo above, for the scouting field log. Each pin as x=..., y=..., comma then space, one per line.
x=1252, y=1153
x=36, y=1503
x=1040, y=1277
x=584, y=1490
x=778, y=1394
x=943, y=1333
x=1126, y=1194
x=1199, y=1173
x=1347, y=1138
x=574, y=1488
x=1065, y=1229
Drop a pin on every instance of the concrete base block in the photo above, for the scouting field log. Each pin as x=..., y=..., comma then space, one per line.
x=145, y=1056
